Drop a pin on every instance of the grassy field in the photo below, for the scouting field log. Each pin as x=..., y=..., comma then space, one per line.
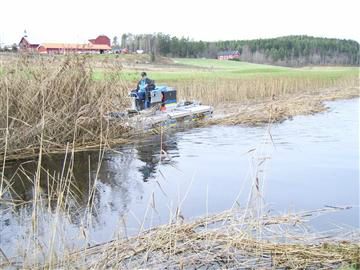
x=192, y=69
x=214, y=81
x=233, y=69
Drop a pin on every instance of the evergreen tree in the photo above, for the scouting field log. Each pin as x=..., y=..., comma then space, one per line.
x=289, y=50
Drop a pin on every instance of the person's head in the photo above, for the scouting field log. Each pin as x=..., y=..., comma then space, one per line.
x=143, y=75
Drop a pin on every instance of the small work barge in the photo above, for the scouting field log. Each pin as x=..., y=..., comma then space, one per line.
x=164, y=110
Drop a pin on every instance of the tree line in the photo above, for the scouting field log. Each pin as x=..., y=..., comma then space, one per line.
x=288, y=51
x=8, y=48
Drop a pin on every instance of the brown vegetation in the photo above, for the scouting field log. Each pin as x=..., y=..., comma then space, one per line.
x=278, y=108
x=232, y=239
x=49, y=103
x=52, y=102
x=220, y=91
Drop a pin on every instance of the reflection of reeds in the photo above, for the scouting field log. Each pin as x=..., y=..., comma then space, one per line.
x=231, y=239
x=46, y=218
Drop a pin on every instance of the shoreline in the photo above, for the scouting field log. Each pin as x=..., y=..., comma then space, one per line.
x=252, y=112
x=279, y=109
x=233, y=238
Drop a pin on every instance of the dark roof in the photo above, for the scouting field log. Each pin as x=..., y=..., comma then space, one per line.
x=224, y=53
x=32, y=43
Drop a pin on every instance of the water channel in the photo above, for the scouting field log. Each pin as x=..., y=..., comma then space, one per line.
x=305, y=163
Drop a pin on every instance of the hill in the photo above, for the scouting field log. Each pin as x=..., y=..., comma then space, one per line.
x=293, y=51
x=296, y=51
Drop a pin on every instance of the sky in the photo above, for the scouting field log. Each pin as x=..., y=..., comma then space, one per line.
x=79, y=20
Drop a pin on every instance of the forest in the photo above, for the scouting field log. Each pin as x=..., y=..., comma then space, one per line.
x=285, y=51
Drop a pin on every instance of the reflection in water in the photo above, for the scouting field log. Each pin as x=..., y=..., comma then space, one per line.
x=114, y=170
x=107, y=181
x=149, y=153
x=53, y=168
x=308, y=170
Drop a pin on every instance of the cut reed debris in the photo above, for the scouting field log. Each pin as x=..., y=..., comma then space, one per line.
x=278, y=108
x=232, y=239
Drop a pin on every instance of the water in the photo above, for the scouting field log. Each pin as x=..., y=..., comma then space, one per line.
x=303, y=164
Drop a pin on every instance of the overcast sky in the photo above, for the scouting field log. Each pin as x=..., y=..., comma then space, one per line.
x=80, y=20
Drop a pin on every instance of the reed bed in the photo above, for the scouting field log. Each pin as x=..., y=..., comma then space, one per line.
x=52, y=101
x=219, y=91
x=59, y=98
x=278, y=108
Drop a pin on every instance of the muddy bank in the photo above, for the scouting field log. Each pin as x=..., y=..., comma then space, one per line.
x=279, y=108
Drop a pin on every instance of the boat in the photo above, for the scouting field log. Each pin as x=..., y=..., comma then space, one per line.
x=164, y=110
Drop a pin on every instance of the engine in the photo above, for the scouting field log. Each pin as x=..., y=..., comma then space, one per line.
x=161, y=95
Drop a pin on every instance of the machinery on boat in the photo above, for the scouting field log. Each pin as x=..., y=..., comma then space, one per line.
x=163, y=109
x=161, y=95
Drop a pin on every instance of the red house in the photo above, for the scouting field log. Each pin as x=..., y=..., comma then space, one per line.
x=26, y=46
x=228, y=55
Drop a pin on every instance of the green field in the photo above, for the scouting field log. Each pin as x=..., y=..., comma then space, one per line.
x=191, y=69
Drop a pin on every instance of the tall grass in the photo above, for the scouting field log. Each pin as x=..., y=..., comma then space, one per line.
x=43, y=224
x=54, y=101
x=65, y=98
x=217, y=91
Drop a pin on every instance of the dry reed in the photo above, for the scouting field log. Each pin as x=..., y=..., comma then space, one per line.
x=59, y=95
x=59, y=99
x=278, y=108
x=223, y=91
x=231, y=240
x=234, y=239
x=53, y=104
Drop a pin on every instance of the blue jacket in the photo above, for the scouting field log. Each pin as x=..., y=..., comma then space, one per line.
x=145, y=85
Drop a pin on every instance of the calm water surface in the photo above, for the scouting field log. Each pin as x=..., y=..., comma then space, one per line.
x=303, y=164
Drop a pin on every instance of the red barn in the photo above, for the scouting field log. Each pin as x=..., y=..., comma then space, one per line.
x=60, y=48
x=100, y=40
x=99, y=45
